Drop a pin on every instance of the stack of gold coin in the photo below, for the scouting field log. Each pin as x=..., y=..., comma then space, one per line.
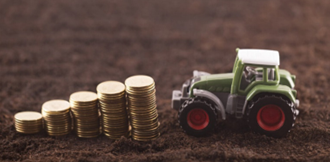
x=57, y=119
x=28, y=122
x=86, y=114
x=114, y=115
x=140, y=91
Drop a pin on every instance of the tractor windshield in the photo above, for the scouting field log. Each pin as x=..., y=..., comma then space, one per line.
x=250, y=74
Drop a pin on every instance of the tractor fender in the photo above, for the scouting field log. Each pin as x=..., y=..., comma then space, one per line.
x=219, y=105
x=278, y=89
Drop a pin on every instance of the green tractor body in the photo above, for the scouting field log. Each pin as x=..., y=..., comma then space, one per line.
x=256, y=90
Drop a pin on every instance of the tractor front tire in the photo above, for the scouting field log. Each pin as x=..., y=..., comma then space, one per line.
x=197, y=117
x=271, y=115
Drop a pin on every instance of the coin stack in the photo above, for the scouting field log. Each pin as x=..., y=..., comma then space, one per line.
x=141, y=98
x=28, y=122
x=86, y=114
x=114, y=117
x=57, y=119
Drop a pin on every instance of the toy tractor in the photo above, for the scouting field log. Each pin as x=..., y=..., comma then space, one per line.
x=256, y=90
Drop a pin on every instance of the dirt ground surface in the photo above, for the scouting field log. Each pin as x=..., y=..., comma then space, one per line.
x=50, y=49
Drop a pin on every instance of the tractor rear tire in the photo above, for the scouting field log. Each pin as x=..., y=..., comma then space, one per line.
x=271, y=115
x=197, y=117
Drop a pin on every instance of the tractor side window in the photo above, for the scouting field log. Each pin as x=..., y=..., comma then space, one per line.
x=271, y=74
x=250, y=74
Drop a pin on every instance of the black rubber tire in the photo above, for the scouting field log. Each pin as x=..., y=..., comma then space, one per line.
x=287, y=108
x=193, y=104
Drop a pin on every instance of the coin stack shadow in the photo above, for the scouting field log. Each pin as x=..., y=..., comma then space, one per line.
x=28, y=122
x=86, y=114
x=141, y=98
x=114, y=117
x=57, y=119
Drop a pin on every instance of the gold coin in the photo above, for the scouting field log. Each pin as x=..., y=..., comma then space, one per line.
x=142, y=139
x=31, y=122
x=56, y=106
x=111, y=87
x=28, y=122
x=139, y=81
x=57, y=118
x=141, y=102
x=85, y=112
x=83, y=96
x=112, y=101
x=28, y=116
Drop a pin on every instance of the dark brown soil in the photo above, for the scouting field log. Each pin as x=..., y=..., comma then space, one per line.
x=49, y=50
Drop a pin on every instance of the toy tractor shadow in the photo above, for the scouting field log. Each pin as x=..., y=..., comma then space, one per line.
x=232, y=125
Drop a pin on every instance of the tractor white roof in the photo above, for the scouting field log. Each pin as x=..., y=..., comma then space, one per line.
x=259, y=56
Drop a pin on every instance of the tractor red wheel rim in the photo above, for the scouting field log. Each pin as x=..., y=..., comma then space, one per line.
x=198, y=119
x=270, y=117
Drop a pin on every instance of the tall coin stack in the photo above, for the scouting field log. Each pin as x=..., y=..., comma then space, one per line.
x=86, y=114
x=56, y=114
x=28, y=122
x=114, y=115
x=140, y=91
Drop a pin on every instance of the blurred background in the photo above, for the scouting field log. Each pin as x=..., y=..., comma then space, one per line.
x=50, y=49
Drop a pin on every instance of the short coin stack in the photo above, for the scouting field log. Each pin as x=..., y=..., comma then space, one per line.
x=57, y=119
x=140, y=91
x=86, y=114
x=114, y=115
x=28, y=122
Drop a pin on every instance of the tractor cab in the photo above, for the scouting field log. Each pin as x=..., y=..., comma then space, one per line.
x=253, y=67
